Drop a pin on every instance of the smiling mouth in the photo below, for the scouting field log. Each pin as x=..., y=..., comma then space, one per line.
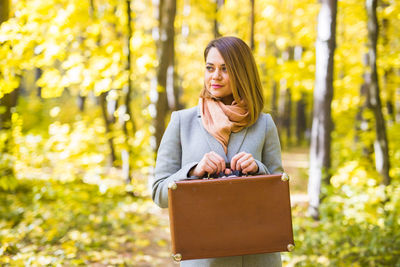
x=216, y=86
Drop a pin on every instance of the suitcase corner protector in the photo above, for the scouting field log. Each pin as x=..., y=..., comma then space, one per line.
x=290, y=247
x=177, y=257
x=172, y=185
x=285, y=177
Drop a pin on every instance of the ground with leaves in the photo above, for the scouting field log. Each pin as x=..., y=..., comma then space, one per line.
x=53, y=223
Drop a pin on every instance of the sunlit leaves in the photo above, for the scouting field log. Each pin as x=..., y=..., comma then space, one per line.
x=83, y=214
x=358, y=225
x=87, y=40
x=74, y=224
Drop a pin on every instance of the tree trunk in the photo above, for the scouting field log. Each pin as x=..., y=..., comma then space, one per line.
x=4, y=10
x=275, y=88
x=363, y=123
x=178, y=90
x=108, y=106
x=252, y=21
x=8, y=101
x=7, y=104
x=388, y=73
x=301, y=121
x=7, y=175
x=397, y=101
x=287, y=116
x=165, y=72
x=285, y=102
x=390, y=109
x=274, y=98
x=38, y=74
x=320, y=160
x=281, y=93
x=125, y=117
x=381, y=143
x=220, y=3
x=81, y=100
x=127, y=91
x=107, y=124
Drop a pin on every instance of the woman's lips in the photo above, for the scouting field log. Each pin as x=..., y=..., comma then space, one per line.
x=216, y=86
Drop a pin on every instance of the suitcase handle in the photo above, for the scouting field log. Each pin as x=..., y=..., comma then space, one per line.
x=221, y=174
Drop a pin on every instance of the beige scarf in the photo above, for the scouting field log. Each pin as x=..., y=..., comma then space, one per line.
x=221, y=120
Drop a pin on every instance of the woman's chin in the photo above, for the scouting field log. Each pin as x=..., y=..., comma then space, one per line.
x=217, y=94
x=227, y=100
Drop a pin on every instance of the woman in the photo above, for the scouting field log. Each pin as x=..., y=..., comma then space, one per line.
x=226, y=127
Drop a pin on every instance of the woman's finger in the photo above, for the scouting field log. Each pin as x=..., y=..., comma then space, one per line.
x=234, y=160
x=210, y=164
x=213, y=162
x=218, y=161
x=241, y=158
x=246, y=163
x=252, y=168
x=209, y=169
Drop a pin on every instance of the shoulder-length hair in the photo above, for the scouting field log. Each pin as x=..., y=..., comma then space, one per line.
x=243, y=73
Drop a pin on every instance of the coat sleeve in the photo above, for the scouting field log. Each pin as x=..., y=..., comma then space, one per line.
x=169, y=162
x=271, y=153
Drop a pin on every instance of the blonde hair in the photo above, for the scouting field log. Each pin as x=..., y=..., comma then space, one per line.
x=243, y=74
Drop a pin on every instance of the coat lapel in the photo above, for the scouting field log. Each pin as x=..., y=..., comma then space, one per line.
x=212, y=142
x=235, y=142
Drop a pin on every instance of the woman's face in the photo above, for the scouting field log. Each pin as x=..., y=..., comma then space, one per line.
x=216, y=77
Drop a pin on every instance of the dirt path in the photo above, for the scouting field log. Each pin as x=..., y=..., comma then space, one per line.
x=295, y=163
x=158, y=254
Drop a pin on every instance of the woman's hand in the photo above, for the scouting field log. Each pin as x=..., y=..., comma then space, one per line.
x=244, y=162
x=210, y=163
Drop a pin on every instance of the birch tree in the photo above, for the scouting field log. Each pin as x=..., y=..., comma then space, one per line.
x=320, y=159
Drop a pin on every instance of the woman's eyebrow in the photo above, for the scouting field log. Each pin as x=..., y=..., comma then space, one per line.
x=209, y=63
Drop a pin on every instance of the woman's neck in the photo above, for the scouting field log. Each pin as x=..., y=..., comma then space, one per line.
x=227, y=100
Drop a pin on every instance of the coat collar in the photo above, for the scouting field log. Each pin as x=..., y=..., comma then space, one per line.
x=234, y=144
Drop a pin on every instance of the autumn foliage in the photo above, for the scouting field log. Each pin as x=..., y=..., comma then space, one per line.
x=77, y=150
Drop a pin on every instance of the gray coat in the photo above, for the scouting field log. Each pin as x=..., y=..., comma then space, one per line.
x=183, y=145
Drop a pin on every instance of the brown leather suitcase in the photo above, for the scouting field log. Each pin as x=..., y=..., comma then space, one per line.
x=230, y=216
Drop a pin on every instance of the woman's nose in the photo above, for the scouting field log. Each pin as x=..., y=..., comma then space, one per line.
x=216, y=74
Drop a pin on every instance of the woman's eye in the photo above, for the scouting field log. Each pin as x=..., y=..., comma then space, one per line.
x=209, y=68
x=224, y=69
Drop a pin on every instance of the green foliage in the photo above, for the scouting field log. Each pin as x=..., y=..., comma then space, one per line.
x=8, y=180
x=359, y=223
x=7, y=177
x=62, y=203
x=49, y=223
x=359, y=226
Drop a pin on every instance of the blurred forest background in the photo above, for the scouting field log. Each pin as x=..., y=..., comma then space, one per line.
x=87, y=87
